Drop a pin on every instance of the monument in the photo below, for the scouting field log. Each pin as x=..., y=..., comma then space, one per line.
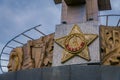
x=78, y=50
x=84, y=14
x=35, y=54
x=76, y=39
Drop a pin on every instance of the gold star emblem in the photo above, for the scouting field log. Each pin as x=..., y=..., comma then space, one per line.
x=75, y=44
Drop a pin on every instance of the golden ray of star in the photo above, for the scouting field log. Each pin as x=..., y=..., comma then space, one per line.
x=75, y=44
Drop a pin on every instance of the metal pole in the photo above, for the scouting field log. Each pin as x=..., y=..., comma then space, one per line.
x=118, y=23
x=40, y=31
x=27, y=36
x=6, y=53
x=106, y=20
x=10, y=47
x=18, y=42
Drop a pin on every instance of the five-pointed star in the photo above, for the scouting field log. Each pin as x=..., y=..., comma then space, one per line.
x=75, y=43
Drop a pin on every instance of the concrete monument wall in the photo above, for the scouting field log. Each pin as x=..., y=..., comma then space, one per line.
x=73, y=72
x=87, y=28
x=73, y=14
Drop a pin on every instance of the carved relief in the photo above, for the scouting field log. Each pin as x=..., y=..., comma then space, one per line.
x=42, y=50
x=76, y=44
x=49, y=50
x=15, y=60
x=27, y=60
x=35, y=54
x=110, y=45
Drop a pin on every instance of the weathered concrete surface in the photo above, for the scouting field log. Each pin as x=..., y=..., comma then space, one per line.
x=73, y=14
x=71, y=72
x=86, y=28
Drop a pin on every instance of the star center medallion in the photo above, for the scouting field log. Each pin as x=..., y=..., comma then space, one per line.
x=74, y=43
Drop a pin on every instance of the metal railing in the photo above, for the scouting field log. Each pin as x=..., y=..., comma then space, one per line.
x=107, y=18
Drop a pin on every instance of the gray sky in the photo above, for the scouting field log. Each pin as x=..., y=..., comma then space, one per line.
x=17, y=16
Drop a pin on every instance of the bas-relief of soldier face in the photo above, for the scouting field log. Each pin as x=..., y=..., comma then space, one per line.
x=13, y=62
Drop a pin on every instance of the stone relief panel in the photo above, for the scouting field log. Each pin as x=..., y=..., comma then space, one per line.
x=110, y=45
x=76, y=44
x=15, y=60
x=27, y=60
x=34, y=54
x=66, y=52
x=41, y=51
